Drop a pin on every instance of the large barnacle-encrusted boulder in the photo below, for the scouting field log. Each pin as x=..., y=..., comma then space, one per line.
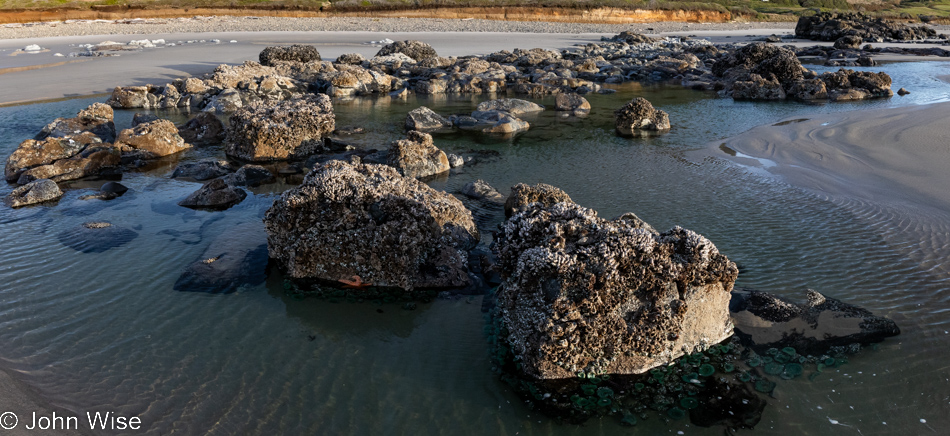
x=280, y=131
x=638, y=117
x=290, y=53
x=150, y=140
x=584, y=294
x=369, y=221
x=417, y=50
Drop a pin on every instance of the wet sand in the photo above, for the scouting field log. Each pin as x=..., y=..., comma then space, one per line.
x=893, y=156
x=19, y=399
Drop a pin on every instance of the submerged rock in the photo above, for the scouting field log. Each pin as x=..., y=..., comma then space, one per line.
x=204, y=169
x=425, y=119
x=765, y=320
x=96, y=237
x=292, y=53
x=572, y=102
x=583, y=294
x=280, y=131
x=417, y=156
x=638, y=117
x=216, y=194
x=37, y=191
x=498, y=122
x=251, y=175
x=237, y=257
x=523, y=195
x=513, y=106
x=368, y=221
x=481, y=190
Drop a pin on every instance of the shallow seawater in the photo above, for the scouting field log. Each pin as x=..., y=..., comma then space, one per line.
x=106, y=331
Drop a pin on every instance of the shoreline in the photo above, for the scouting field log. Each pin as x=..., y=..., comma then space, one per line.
x=894, y=156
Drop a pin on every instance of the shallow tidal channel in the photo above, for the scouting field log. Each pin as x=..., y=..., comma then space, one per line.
x=106, y=330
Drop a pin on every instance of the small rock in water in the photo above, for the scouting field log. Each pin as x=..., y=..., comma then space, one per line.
x=32, y=47
x=903, y=91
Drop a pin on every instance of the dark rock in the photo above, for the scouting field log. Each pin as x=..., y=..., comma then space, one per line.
x=99, y=195
x=204, y=169
x=96, y=237
x=765, y=320
x=848, y=42
x=150, y=140
x=522, y=196
x=204, y=128
x=417, y=156
x=808, y=89
x=728, y=404
x=37, y=191
x=638, y=117
x=292, y=53
x=633, y=38
x=251, y=175
x=416, y=50
x=830, y=26
x=866, y=61
x=140, y=118
x=369, y=221
x=581, y=293
x=902, y=92
x=237, y=257
x=351, y=59
x=424, y=119
x=280, y=131
x=114, y=188
x=216, y=194
x=481, y=190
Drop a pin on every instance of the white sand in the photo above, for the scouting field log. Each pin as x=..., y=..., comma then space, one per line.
x=894, y=156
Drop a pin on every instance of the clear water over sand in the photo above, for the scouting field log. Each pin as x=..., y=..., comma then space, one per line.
x=105, y=331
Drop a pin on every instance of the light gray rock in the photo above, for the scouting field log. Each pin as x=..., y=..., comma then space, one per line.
x=37, y=191
x=417, y=156
x=280, y=131
x=424, y=119
x=513, y=106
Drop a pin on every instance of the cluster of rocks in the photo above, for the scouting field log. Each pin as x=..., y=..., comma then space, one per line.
x=850, y=28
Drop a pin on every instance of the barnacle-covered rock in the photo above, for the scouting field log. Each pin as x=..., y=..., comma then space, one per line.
x=584, y=294
x=417, y=156
x=369, y=221
x=280, y=131
x=638, y=117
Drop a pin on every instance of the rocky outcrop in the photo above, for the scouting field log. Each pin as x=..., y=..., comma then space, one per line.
x=416, y=50
x=216, y=194
x=522, y=196
x=66, y=149
x=96, y=237
x=368, y=221
x=236, y=258
x=632, y=38
x=150, y=140
x=37, y=191
x=638, y=118
x=280, y=131
x=205, y=169
x=417, y=156
x=205, y=128
x=583, y=294
x=290, y=53
x=512, y=106
x=856, y=85
x=96, y=119
x=765, y=320
x=830, y=26
x=572, y=103
x=424, y=119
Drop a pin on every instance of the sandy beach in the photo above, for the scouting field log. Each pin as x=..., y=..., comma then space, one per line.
x=893, y=156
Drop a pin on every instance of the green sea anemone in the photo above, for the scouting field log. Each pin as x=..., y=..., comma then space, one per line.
x=774, y=368
x=789, y=350
x=629, y=420
x=782, y=358
x=604, y=402
x=754, y=361
x=745, y=377
x=605, y=392
x=728, y=367
x=706, y=370
x=676, y=413
x=764, y=386
x=639, y=386
x=689, y=403
x=829, y=361
x=688, y=378
x=794, y=369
